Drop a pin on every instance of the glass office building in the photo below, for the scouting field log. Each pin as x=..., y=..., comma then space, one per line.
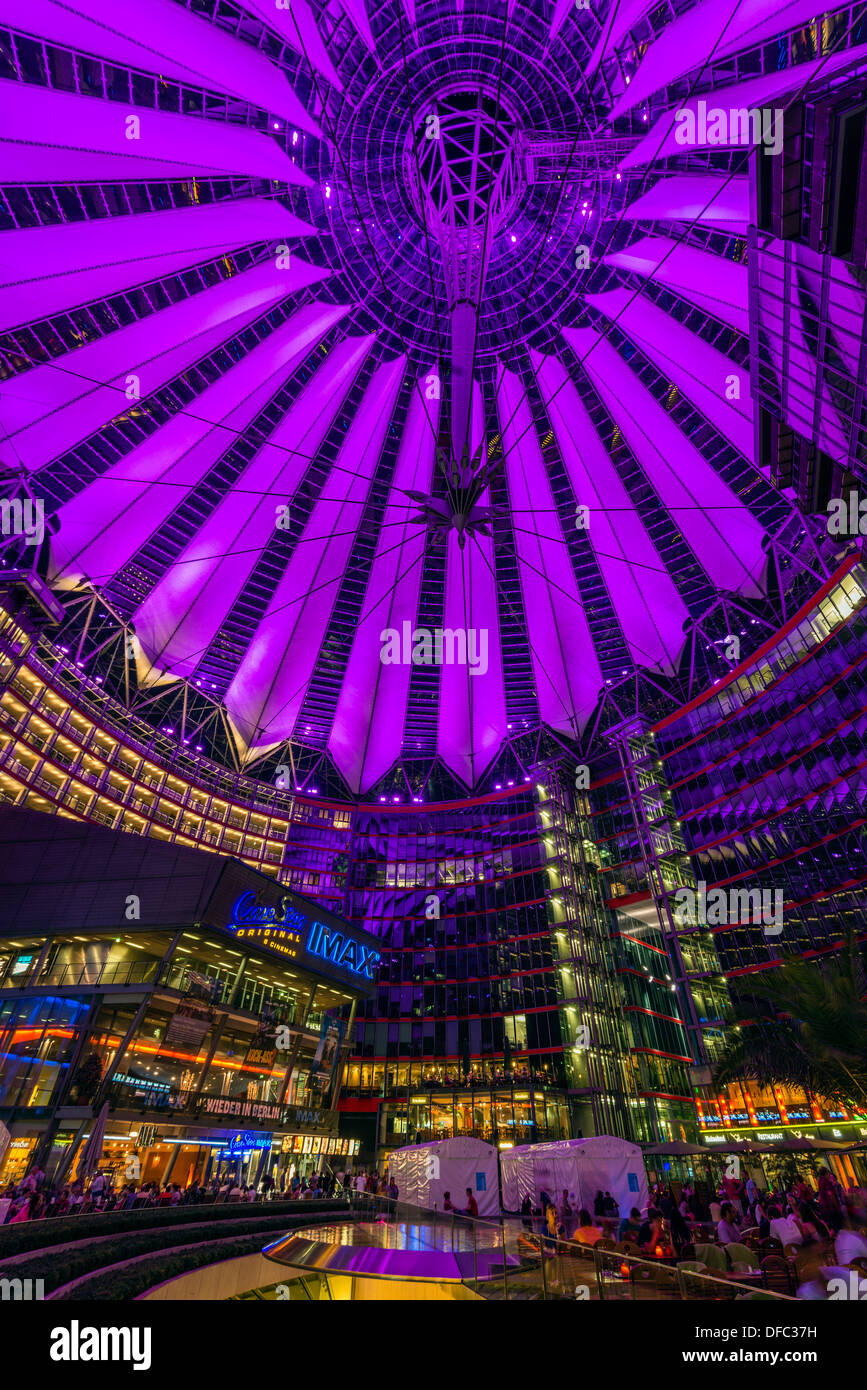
x=766, y=771
x=190, y=996
x=417, y=452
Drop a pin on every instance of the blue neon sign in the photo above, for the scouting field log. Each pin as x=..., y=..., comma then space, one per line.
x=342, y=949
x=247, y=912
x=245, y=1142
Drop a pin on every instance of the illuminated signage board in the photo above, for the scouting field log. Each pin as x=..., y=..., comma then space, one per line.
x=286, y=929
x=279, y=928
x=245, y=1143
x=248, y=912
x=342, y=949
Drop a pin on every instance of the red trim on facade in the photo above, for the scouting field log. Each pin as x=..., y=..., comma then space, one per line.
x=646, y=944
x=762, y=651
x=643, y=897
x=652, y=1052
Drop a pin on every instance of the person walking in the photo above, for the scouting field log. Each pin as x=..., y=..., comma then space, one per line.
x=98, y=1189
x=566, y=1212
x=828, y=1202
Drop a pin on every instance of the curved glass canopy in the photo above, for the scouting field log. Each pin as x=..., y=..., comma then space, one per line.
x=383, y=369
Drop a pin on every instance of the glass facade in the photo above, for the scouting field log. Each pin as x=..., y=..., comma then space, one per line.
x=767, y=776
x=807, y=257
x=202, y=1034
x=484, y=991
x=536, y=980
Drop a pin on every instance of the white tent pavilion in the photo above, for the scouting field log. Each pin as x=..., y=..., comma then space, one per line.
x=425, y=1172
x=580, y=1166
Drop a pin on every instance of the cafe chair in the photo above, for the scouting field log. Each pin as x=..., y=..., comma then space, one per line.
x=777, y=1274
x=742, y=1258
x=770, y=1246
x=714, y=1256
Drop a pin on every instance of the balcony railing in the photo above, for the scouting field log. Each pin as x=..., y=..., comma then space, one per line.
x=132, y=972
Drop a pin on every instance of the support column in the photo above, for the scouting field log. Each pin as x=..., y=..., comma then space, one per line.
x=119, y=1055
x=236, y=984
x=296, y=1046
x=344, y=1057
x=66, y=1161
x=218, y=1033
x=84, y=1037
x=176, y=1148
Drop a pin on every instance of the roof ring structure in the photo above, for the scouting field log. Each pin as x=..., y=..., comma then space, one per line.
x=321, y=324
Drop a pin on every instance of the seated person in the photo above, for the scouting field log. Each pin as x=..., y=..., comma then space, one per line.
x=447, y=1202
x=629, y=1225
x=811, y=1223
x=650, y=1226
x=585, y=1232
x=727, y=1229
x=763, y=1221
x=849, y=1244
x=786, y=1229
x=680, y=1232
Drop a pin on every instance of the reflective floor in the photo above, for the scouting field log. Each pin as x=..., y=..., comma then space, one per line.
x=396, y=1250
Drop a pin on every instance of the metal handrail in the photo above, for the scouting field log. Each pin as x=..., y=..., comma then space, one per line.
x=548, y=1247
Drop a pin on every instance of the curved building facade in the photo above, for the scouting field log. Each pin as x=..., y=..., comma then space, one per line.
x=537, y=977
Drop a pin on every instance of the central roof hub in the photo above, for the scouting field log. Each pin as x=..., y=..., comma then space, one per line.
x=462, y=166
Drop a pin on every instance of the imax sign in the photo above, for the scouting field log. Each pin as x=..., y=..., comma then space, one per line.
x=342, y=950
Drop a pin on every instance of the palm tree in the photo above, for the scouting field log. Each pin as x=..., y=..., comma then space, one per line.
x=807, y=1027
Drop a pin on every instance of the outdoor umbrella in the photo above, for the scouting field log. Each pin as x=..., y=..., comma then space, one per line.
x=676, y=1148
x=92, y=1151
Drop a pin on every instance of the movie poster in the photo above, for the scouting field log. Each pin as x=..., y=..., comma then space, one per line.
x=327, y=1056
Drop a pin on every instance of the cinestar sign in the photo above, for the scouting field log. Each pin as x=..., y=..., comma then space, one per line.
x=342, y=950
x=248, y=912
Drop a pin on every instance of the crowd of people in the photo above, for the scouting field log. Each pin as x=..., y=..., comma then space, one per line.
x=567, y=1220
x=35, y=1197
x=812, y=1210
x=373, y=1183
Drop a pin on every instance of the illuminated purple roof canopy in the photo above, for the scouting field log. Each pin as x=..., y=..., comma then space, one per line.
x=327, y=329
